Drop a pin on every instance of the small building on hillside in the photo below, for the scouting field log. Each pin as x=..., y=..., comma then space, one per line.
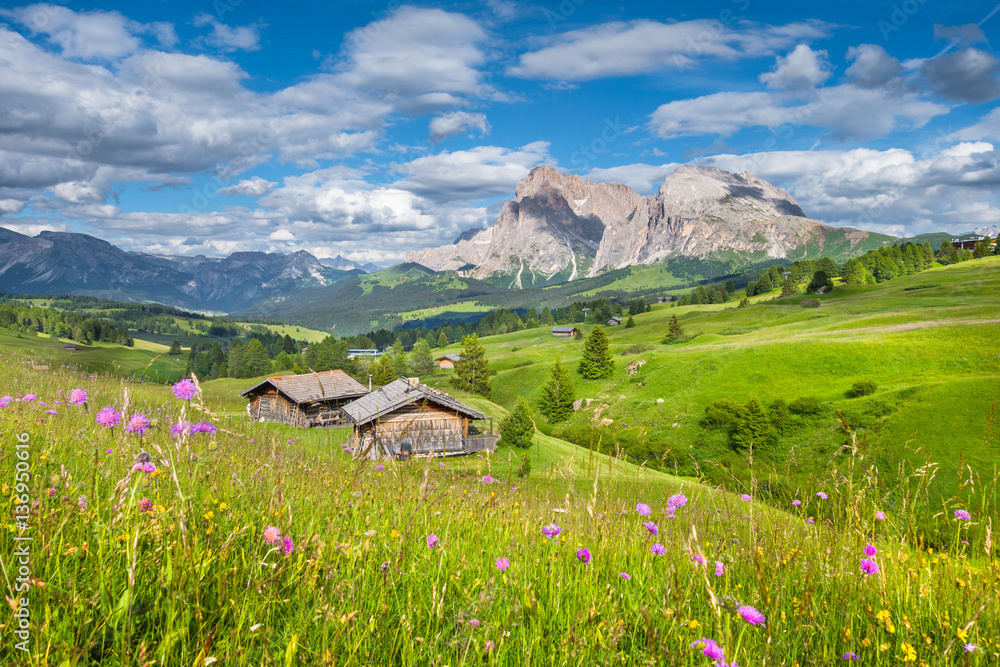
x=614, y=321
x=405, y=418
x=69, y=347
x=307, y=401
x=448, y=361
x=565, y=331
x=351, y=354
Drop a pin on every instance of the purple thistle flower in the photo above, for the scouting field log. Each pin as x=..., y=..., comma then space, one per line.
x=144, y=466
x=658, y=549
x=203, y=427
x=583, y=555
x=28, y=398
x=643, y=509
x=185, y=390
x=720, y=568
x=751, y=615
x=880, y=516
x=868, y=566
x=503, y=564
x=137, y=424
x=432, y=541
x=78, y=396
x=626, y=576
x=870, y=551
x=551, y=530
x=289, y=546
x=821, y=495
x=677, y=500
x=651, y=527
x=181, y=427
x=709, y=648
x=108, y=417
x=962, y=515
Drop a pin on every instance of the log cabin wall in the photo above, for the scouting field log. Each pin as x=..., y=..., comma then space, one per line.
x=425, y=428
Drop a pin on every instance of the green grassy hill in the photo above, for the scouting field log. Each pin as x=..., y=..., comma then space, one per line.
x=930, y=341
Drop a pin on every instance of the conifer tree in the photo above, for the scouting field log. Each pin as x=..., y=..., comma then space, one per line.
x=789, y=288
x=517, y=429
x=596, y=363
x=676, y=330
x=420, y=358
x=557, y=395
x=472, y=371
x=382, y=371
x=630, y=323
x=442, y=339
x=752, y=428
x=175, y=348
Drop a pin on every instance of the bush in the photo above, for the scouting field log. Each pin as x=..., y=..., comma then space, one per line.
x=862, y=388
x=807, y=405
x=517, y=429
x=809, y=303
x=524, y=469
x=721, y=413
x=637, y=348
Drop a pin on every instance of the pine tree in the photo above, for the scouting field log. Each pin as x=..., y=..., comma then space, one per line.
x=789, y=288
x=382, y=371
x=596, y=363
x=820, y=281
x=175, y=348
x=517, y=429
x=752, y=428
x=442, y=339
x=630, y=323
x=420, y=358
x=675, y=331
x=472, y=371
x=557, y=395
x=400, y=364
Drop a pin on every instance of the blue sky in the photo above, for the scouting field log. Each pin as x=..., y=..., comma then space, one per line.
x=369, y=128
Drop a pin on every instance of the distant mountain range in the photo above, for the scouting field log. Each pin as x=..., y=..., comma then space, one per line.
x=561, y=226
x=344, y=264
x=81, y=264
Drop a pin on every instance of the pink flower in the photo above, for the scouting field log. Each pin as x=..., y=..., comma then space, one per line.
x=658, y=549
x=869, y=566
x=185, y=390
x=796, y=502
x=433, y=541
x=503, y=564
x=203, y=427
x=551, y=530
x=271, y=535
x=78, y=396
x=145, y=505
x=181, y=427
x=144, y=466
x=870, y=551
x=643, y=509
x=821, y=495
x=108, y=417
x=583, y=555
x=289, y=546
x=487, y=479
x=488, y=646
x=720, y=568
x=810, y=520
x=474, y=623
x=746, y=497
x=880, y=516
x=677, y=500
x=751, y=615
x=51, y=412
x=962, y=515
x=378, y=466
x=28, y=398
x=625, y=576
x=709, y=648
x=138, y=424
x=698, y=558
x=651, y=527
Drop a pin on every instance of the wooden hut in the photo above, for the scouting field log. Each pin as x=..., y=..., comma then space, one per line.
x=448, y=361
x=306, y=401
x=614, y=321
x=405, y=418
x=565, y=331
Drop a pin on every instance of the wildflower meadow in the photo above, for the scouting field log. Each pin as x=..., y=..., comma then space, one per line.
x=165, y=533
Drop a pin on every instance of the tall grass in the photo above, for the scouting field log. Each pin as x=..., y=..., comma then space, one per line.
x=175, y=567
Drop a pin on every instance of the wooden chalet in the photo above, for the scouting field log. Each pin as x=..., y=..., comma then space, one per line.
x=69, y=347
x=614, y=321
x=565, y=331
x=448, y=361
x=307, y=401
x=405, y=418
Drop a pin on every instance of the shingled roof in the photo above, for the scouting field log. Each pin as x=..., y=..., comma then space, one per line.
x=323, y=386
x=400, y=393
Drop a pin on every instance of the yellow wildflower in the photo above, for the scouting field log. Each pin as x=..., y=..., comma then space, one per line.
x=693, y=624
x=909, y=653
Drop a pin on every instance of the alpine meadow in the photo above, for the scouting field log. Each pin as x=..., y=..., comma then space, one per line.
x=444, y=334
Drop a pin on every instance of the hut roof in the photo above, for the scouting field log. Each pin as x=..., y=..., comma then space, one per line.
x=324, y=386
x=564, y=329
x=398, y=394
x=452, y=357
